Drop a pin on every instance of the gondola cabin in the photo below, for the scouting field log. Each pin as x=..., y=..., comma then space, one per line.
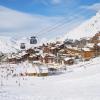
x=22, y=46
x=33, y=40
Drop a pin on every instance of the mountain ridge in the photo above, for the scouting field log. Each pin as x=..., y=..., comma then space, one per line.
x=87, y=29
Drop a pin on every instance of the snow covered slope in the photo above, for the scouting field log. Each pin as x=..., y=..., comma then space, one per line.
x=82, y=83
x=7, y=45
x=87, y=29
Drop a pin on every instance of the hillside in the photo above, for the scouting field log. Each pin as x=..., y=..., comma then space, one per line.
x=87, y=29
x=7, y=45
x=79, y=82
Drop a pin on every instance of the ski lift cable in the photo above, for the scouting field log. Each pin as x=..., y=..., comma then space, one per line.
x=55, y=23
x=60, y=24
x=66, y=24
x=49, y=27
x=60, y=27
x=13, y=47
x=57, y=27
x=54, y=28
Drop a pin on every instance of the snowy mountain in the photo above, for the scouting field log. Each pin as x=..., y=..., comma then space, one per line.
x=7, y=45
x=87, y=29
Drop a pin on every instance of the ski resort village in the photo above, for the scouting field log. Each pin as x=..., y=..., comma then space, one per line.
x=50, y=58
x=44, y=65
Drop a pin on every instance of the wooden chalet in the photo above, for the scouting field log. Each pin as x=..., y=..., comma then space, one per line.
x=33, y=57
x=46, y=49
x=18, y=59
x=96, y=39
x=25, y=57
x=49, y=58
x=68, y=61
x=54, y=50
x=30, y=51
x=11, y=59
x=37, y=69
x=97, y=49
x=73, y=52
x=87, y=54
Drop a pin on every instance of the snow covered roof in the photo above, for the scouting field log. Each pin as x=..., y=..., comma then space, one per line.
x=67, y=58
x=98, y=44
x=90, y=45
x=31, y=70
x=88, y=29
x=19, y=69
x=46, y=54
x=37, y=69
x=43, y=69
x=52, y=55
x=54, y=65
x=74, y=48
x=52, y=47
x=61, y=50
x=36, y=62
x=86, y=49
x=33, y=55
x=23, y=53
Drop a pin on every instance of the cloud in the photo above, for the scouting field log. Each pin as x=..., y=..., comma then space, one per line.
x=18, y=24
x=94, y=7
x=12, y=21
x=50, y=2
x=56, y=1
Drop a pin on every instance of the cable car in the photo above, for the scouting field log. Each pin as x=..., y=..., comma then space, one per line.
x=22, y=46
x=33, y=40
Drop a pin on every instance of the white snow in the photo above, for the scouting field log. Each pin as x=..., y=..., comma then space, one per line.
x=67, y=58
x=6, y=45
x=86, y=49
x=87, y=29
x=98, y=44
x=31, y=69
x=90, y=45
x=79, y=82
